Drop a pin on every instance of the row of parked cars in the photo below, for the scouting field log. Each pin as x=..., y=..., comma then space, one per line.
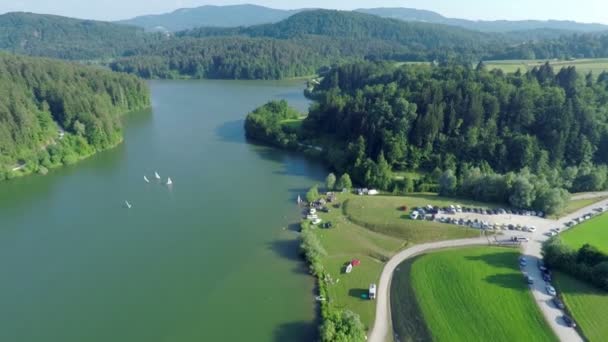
x=452, y=209
x=546, y=274
x=585, y=217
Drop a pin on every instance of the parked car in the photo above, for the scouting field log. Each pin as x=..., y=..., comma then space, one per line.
x=541, y=266
x=558, y=303
x=532, y=229
x=529, y=280
x=550, y=290
x=546, y=277
x=523, y=262
x=569, y=321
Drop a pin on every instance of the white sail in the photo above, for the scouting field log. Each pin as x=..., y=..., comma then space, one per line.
x=156, y=175
x=169, y=181
x=146, y=179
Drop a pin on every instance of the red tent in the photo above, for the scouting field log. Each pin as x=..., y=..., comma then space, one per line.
x=356, y=262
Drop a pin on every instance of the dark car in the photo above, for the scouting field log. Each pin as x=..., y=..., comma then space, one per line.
x=569, y=321
x=547, y=277
x=558, y=303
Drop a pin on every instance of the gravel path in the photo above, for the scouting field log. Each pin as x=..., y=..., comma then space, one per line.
x=382, y=329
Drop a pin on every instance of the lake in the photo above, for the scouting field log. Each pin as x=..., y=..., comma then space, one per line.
x=211, y=259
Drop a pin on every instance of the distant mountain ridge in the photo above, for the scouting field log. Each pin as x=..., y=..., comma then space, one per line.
x=211, y=16
x=249, y=15
x=409, y=14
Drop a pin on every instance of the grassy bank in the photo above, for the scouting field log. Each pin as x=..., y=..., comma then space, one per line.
x=594, y=232
x=348, y=240
x=472, y=294
x=574, y=205
x=588, y=306
x=384, y=215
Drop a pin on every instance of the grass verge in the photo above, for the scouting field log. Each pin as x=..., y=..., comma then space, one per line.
x=476, y=294
x=588, y=306
x=593, y=231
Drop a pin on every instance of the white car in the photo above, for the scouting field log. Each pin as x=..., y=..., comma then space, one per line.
x=532, y=229
x=551, y=290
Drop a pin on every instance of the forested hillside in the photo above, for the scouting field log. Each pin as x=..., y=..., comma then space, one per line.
x=67, y=38
x=506, y=138
x=342, y=24
x=301, y=45
x=565, y=47
x=54, y=113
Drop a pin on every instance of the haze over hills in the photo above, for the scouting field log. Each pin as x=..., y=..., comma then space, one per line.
x=247, y=15
x=410, y=14
x=212, y=16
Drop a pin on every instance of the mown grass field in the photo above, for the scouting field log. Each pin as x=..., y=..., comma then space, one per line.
x=473, y=294
x=348, y=240
x=588, y=306
x=582, y=65
x=382, y=214
x=594, y=232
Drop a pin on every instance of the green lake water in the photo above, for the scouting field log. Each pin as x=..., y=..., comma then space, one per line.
x=211, y=259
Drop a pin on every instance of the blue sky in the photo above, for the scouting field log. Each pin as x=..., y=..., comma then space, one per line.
x=581, y=10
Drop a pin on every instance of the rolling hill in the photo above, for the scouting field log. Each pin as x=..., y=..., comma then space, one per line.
x=211, y=16
x=66, y=38
x=409, y=14
x=248, y=15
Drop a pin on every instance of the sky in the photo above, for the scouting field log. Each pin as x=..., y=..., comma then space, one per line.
x=581, y=10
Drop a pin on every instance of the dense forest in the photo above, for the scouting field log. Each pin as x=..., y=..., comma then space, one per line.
x=54, y=113
x=301, y=45
x=520, y=138
x=67, y=38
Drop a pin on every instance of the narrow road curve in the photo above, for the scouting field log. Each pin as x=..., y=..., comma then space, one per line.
x=532, y=251
x=382, y=324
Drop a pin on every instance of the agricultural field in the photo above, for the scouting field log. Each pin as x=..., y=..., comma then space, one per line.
x=594, y=232
x=471, y=294
x=583, y=66
x=384, y=214
x=588, y=306
x=347, y=240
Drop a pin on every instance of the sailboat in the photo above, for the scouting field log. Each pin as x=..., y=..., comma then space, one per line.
x=156, y=175
x=146, y=179
x=169, y=181
x=128, y=204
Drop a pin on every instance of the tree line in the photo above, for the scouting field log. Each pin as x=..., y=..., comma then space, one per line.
x=523, y=139
x=53, y=112
x=587, y=263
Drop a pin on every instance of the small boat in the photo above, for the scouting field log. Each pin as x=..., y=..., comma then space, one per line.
x=169, y=181
x=146, y=179
x=128, y=205
x=299, y=199
x=156, y=175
